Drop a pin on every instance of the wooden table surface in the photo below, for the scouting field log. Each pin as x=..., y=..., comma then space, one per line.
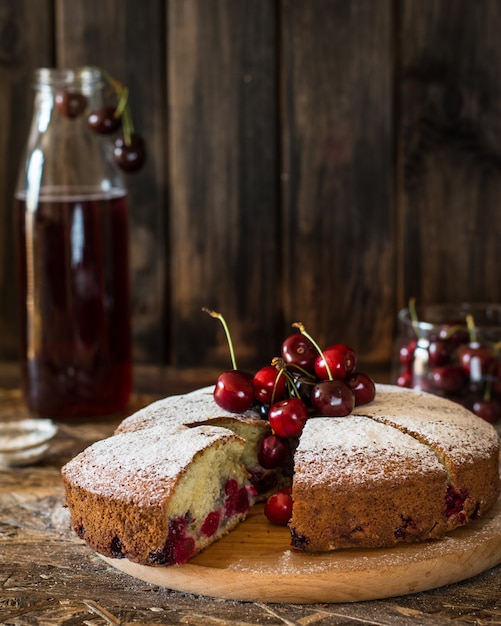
x=49, y=576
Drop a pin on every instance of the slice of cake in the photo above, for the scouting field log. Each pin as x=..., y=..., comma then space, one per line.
x=158, y=496
x=358, y=485
x=409, y=466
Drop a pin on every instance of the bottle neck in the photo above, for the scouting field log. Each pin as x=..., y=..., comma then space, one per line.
x=64, y=156
x=86, y=81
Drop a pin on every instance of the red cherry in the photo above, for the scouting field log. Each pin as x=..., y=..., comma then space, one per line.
x=269, y=384
x=288, y=417
x=234, y=391
x=404, y=379
x=495, y=377
x=439, y=352
x=456, y=332
x=340, y=358
x=299, y=350
x=332, y=398
x=488, y=410
x=406, y=352
x=363, y=387
x=448, y=378
x=130, y=156
x=476, y=360
x=273, y=452
x=70, y=103
x=278, y=507
x=104, y=120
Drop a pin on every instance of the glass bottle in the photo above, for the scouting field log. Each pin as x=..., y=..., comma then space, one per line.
x=72, y=228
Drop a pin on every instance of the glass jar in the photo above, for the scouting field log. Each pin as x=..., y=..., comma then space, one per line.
x=453, y=351
x=72, y=229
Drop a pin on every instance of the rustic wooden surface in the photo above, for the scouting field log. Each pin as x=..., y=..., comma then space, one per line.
x=312, y=160
x=48, y=576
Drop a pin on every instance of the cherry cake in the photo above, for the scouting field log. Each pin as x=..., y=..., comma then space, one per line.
x=180, y=473
x=160, y=495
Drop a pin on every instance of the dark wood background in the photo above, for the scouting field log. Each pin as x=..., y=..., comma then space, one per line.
x=313, y=160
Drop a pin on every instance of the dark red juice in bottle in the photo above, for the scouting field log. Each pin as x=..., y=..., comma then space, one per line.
x=75, y=304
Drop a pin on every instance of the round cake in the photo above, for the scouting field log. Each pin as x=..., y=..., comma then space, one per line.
x=180, y=473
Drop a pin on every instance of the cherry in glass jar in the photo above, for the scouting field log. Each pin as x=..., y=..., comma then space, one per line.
x=454, y=351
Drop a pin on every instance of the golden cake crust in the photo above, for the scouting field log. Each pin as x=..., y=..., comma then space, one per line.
x=407, y=467
x=355, y=486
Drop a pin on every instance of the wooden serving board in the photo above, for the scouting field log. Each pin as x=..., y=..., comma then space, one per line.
x=254, y=563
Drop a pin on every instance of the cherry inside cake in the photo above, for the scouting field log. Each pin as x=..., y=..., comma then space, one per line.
x=179, y=474
x=158, y=496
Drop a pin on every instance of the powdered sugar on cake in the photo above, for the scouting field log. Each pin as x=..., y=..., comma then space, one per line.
x=143, y=466
x=189, y=409
x=361, y=448
x=407, y=467
x=434, y=420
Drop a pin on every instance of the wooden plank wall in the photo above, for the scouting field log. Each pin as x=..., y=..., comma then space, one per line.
x=313, y=160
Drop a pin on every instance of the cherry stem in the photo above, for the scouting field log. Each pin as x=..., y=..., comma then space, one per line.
x=127, y=125
x=123, y=95
x=488, y=383
x=302, y=330
x=227, y=332
x=470, y=325
x=414, y=317
x=279, y=363
x=281, y=372
x=453, y=329
x=122, y=109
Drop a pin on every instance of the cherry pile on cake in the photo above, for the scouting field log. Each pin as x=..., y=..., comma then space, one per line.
x=345, y=462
